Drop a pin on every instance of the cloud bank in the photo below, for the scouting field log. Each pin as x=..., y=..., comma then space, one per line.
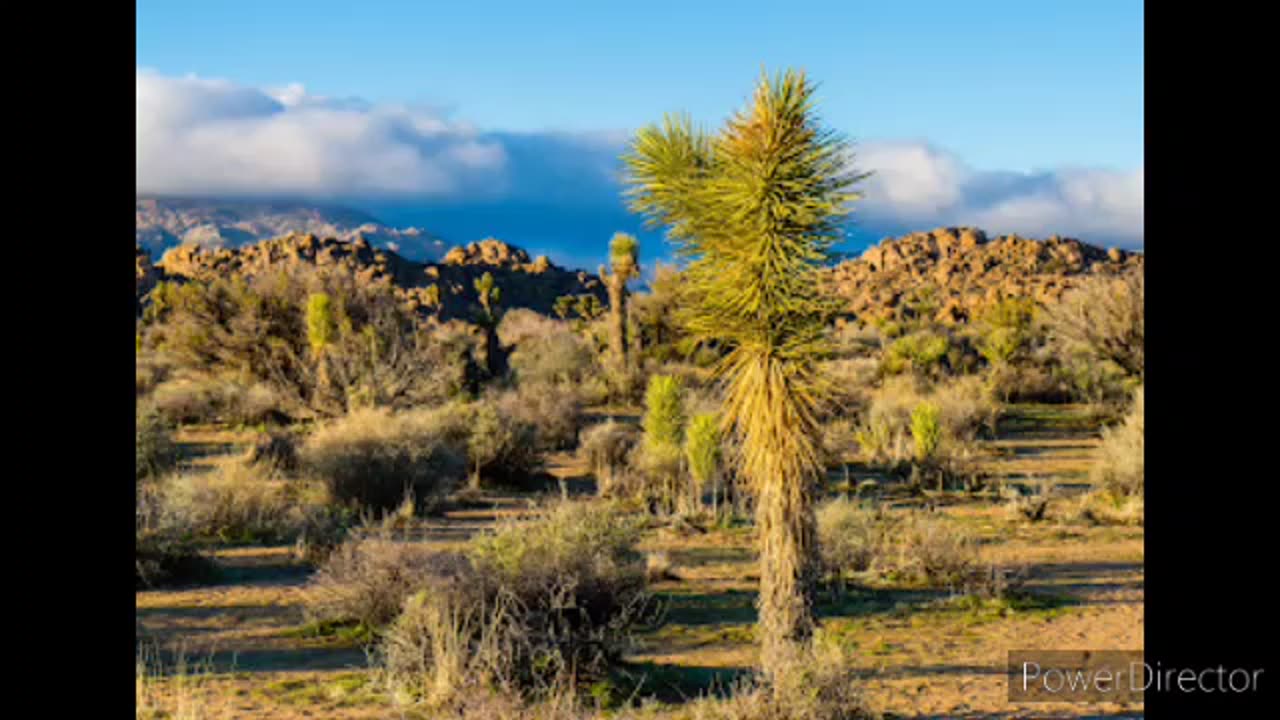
x=199, y=136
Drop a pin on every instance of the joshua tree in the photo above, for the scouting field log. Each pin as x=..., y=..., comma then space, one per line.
x=754, y=210
x=702, y=452
x=489, y=294
x=563, y=306
x=624, y=253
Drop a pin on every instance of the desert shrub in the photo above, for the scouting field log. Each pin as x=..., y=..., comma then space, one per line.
x=1104, y=508
x=1006, y=330
x=163, y=557
x=926, y=430
x=657, y=475
x=557, y=356
x=920, y=352
x=1119, y=467
x=261, y=330
x=849, y=537
x=154, y=451
x=373, y=457
x=150, y=370
x=964, y=409
x=816, y=682
x=276, y=450
x=191, y=399
x=553, y=411
x=520, y=325
x=367, y=579
x=1104, y=319
x=914, y=547
x=606, y=448
x=501, y=444
x=238, y=502
x=935, y=552
x=536, y=602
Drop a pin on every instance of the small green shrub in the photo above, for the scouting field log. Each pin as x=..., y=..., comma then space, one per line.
x=926, y=430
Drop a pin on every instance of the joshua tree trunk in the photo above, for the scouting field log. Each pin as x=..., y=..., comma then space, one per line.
x=788, y=543
x=617, y=287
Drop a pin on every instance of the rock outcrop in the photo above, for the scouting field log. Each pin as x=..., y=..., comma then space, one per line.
x=533, y=284
x=969, y=272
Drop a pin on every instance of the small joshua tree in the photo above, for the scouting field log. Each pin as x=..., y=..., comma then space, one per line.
x=702, y=452
x=489, y=295
x=321, y=326
x=624, y=253
x=663, y=425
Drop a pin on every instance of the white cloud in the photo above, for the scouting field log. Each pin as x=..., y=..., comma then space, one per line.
x=204, y=136
x=198, y=135
x=918, y=186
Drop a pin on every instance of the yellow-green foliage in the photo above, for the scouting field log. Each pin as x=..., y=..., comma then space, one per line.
x=321, y=325
x=920, y=351
x=1005, y=329
x=664, y=412
x=926, y=429
x=702, y=447
x=756, y=209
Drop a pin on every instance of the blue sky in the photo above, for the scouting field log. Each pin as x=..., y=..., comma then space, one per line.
x=1005, y=91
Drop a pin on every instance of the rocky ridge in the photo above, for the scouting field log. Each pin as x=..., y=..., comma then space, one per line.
x=533, y=284
x=163, y=223
x=969, y=272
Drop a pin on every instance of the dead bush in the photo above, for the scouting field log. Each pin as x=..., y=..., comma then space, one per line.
x=368, y=578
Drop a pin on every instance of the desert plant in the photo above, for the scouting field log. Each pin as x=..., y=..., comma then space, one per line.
x=809, y=683
x=553, y=357
x=624, y=262
x=321, y=325
x=664, y=412
x=926, y=430
x=154, y=450
x=606, y=447
x=500, y=443
x=849, y=537
x=1104, y=318
x=920, y=352
x=703, y=454
x=237, y=502
x=537, y=601
x=755, y=211
x=367, y=579
x=1119, y=467
x=373, y=456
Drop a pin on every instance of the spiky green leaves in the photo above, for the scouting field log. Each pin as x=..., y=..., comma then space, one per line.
x=321, y=325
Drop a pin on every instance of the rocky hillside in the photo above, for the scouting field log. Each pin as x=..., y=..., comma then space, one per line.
x=163, y=223
x=533, y=284
x=969, y=271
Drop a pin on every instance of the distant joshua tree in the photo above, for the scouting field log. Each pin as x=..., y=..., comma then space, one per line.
x=489, y=295
x=755, y=210
x=624, y=260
